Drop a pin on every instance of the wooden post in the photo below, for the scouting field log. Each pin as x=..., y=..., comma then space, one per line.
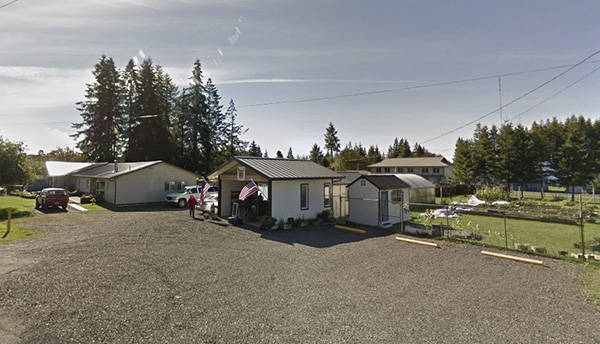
x=581, y=223
x=505, y=232
x=8, y=223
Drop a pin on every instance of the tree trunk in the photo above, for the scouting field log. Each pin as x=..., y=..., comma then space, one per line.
x=572, y=193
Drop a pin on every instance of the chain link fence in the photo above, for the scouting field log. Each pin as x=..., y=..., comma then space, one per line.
x=534, y=227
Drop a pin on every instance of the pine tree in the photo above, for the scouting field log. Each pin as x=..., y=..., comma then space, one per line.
x=315, y=154
x=332, y=142
x=254, y=149
x=463, y=163
x=405, y=151
x=130, y=81
x=233, y=132
x=373, y=155
x=102, y=114
x=418, y=151
x=151, y=133
x=215, y=132
x=195, y=107
x=394, y=149
x=290, y=155
x=279, y=155
x=266, y=154
x=483, y=156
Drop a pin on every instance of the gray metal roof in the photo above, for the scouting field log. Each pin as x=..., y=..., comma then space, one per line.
x=107, y=170
x=272, y=168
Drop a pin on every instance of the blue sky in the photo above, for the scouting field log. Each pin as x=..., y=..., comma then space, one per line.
x=288, y=50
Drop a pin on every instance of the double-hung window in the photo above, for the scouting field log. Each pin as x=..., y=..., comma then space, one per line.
x=303, y=196
x=327, y=195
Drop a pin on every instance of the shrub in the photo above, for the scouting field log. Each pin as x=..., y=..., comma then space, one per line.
x=85, y=199
x=27, y=194
x=491, y=194
x=325, y=215
x=268, y=221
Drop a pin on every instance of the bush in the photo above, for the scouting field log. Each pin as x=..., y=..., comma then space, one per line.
x=325, y=215
x=491, y=194
x=268, y=221
x=85, y=199
x=27, y=194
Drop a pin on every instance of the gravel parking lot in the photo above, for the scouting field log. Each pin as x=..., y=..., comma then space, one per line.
x=161, y=277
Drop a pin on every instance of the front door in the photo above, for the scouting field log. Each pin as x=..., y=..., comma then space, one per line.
x=384, y=208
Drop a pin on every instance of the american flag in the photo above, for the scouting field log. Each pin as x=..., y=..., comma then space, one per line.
x=204, y=191
x=248, y=190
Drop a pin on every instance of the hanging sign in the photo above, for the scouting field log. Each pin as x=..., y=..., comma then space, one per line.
x=241, y=173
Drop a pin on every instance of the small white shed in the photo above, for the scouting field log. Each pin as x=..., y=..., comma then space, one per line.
x=377, y=200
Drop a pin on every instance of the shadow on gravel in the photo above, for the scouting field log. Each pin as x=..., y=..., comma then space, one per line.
x=140, y=207
x=52, y=210
x=319, y=236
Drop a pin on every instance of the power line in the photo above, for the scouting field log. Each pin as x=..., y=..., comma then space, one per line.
x=408, y=88
x=514, y=100
x=556, y=94
x=8, y=3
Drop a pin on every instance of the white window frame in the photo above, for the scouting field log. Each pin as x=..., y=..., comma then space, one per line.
x=327, y=196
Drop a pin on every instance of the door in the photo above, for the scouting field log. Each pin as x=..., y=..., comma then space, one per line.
x=384, y=206
x=234, y=203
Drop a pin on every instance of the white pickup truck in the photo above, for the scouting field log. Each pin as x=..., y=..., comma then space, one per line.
x=181, y=198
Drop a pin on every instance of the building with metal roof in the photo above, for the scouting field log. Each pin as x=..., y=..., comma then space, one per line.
x=436, y=169
x=287, y=188
x=121, y=183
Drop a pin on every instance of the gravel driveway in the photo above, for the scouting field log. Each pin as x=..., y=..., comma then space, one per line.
x=161, y=277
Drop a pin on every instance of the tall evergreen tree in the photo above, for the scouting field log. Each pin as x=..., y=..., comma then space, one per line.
x=130, y=81
x=265, y=154
x=463, y=162
x=216, y=131
x=332, y=142
x=279, y=155
x=405, y=151
x=290, y=155
x=233, y=132
x=101, y=113
x=373, y=155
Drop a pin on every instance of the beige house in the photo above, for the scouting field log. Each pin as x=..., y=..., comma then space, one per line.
x=124, y=182
x=287, y=188
x=437, y=169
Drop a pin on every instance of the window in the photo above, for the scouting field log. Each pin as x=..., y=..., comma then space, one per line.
x=436, y=170
x=401, y=169
x=327, y=195
x=303, y=196
x=425, y=170
x=363, y=183
x=387, y=170
x=180, y=186
x=409, y=170
x=396, y=196
x=166, y=186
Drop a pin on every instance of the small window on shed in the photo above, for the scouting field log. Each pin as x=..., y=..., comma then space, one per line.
x=363, y=183
x=396, y=196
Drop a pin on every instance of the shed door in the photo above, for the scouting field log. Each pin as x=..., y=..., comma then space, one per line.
x=383, y=205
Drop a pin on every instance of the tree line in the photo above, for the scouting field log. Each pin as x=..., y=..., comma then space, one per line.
x=138, y=113
x=568, y=150
x=354, y=156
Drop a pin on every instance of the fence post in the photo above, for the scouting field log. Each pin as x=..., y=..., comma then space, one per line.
x=581, y=223
x=505, y=232
x=8, y=223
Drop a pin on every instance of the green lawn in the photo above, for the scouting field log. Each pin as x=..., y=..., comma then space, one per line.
x=553, y=236
x=16, y=202
x=16, y=233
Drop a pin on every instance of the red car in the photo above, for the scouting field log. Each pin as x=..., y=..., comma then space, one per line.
x=52, y=197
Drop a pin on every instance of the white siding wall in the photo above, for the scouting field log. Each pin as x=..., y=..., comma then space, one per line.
x=148, y=184
x=286, y=198
x=82, y=184
x=363, y=203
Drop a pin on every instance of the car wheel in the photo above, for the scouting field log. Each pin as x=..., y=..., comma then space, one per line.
x=181, y=203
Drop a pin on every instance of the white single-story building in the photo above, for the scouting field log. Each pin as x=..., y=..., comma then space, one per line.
x=288, y=188
x=378, y=200
x=121, y=183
